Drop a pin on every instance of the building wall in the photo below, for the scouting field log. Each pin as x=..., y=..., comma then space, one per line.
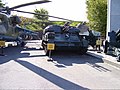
x=113, y=19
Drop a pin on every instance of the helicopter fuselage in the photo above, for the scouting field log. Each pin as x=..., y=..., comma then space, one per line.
x=7, y=27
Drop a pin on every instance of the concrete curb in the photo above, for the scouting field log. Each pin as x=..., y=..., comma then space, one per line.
x=106, y=58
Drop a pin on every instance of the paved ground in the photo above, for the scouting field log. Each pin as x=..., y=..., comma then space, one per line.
x=109, y=59
x=28, y=68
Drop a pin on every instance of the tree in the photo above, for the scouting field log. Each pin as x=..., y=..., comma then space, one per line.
x=97, y=15
x=1, y=4
x=43, y=14
x=30, y=23
x=38, y=23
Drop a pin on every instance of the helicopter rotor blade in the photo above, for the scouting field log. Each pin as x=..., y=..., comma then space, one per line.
x=42, y=15
x=31, y=3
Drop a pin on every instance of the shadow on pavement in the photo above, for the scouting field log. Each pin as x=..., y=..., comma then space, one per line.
x=61, y=60
x=70, y=58
x=98, y=67
x=57, y=80
x=13, y=53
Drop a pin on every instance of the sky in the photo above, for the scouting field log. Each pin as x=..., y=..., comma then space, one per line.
x=69, y=9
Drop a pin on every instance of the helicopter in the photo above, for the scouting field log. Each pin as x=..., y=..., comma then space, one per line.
x=27, y=34
x=56, y=37
x=9, y=31
x=65, y=37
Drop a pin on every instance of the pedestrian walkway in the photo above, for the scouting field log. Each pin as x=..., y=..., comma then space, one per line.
x=112, y=60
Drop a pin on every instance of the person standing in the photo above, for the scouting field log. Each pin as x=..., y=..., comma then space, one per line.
x=98, y=44
x=106, y=46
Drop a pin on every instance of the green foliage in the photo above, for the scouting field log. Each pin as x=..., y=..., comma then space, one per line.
x=97, y=15
x=29, y=23
x=1, y=4
x=75, y=23
x=63, y=22
x=42, y=18
x=40, y=22
x=33, y=24
x=41, y=14
x=58, y=22
x=37, y=25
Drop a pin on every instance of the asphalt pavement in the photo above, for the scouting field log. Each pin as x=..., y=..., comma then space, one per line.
x=109, y=59
x=28, y=68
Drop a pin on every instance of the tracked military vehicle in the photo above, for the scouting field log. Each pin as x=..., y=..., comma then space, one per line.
x=114, y=44
x=64, y=38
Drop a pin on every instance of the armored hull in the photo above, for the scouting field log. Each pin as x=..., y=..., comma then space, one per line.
x=69, y=39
